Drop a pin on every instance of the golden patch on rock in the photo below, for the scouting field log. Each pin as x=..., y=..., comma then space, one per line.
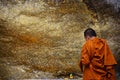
x=28, y=38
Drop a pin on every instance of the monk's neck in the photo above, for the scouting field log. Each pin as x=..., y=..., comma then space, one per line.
x=92, y=38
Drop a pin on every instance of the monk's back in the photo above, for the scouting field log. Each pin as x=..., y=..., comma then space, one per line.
x=96, y=53
x=95, y=47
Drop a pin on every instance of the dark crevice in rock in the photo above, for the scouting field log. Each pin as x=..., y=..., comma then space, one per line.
x=102, y=8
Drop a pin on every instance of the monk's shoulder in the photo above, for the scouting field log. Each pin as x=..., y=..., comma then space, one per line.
x=103, y=40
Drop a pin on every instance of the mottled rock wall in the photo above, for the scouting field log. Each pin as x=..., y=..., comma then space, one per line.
x=47, y=35
x=42, y=35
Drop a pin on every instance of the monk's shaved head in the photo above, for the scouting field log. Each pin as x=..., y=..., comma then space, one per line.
x=90, y=32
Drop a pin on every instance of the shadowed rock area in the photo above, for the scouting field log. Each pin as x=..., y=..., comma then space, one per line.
x=42, y=39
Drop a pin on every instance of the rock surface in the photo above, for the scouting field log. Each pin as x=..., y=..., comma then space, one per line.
x=43, y=38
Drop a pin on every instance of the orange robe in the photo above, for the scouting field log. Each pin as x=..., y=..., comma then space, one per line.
x=98, y=61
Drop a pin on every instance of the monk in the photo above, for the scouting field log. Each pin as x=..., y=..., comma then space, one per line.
x=97, y=58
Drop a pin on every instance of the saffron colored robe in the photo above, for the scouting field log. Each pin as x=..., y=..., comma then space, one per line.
x=98, y=61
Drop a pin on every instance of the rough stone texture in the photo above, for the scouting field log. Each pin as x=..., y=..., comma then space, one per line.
x=43, y=38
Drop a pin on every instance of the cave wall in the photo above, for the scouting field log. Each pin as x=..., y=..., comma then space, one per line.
x=47, y=35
